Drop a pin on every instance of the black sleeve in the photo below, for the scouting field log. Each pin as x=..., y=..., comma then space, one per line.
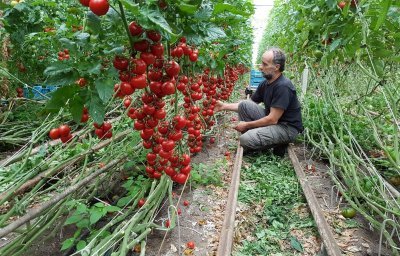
x=257, y=96
x=281, y=98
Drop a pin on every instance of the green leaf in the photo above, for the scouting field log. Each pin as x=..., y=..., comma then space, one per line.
x=188, y=8
x=124, y=201
x=65, y=42
x=223, y=7
x=96, y=109
x=99, y=205
x=95, y=69
x=60, y=97
x=93, y=23
x=81, y=208
x=76, y=108
x=105, y=89
x=131, y=7
x=335, y=44
x=116, y=50
x=157, y=18
x=73, y=219
x=81, y=244
x=112, y=208
x=95, y=216
x=384, y=10
x=296, y=244
x=83, y=223
x=60, y=74
x=67, y=244
x=214, y=32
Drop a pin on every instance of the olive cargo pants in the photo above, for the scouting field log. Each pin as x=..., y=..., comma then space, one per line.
x=263, y=137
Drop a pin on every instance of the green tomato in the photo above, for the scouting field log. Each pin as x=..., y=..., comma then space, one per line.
x=318, y=54
x=349, y=213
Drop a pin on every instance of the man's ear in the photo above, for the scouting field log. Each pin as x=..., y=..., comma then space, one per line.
x=278, y=66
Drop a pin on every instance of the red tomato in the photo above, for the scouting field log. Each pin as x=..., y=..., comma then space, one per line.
x=99, y=133
x=66, y=138
x=157, y=175
x=179, y=122
x=157, y=49
x=186, y=169
x=135, y=29
x=168, y=88
x=160, y=114
x=167, y=223
x=178, y=52
x=138, y=66
x=138, y=125
x=64, y=130
x=141, y=45
x=148, y=57
x=141, y=202
x=185, y=159
x=84, y=118
x=175, y=135
x=153, y=35
x=193, y=57
x=154, y=75
x=99, y=7
x=106, y=127
x=212, y=140
x=186, y=203
x=127, y=103
x=168, y=145
x=85, y=2
x=190, y=245
x=180, y=178
x=54, y=134
x=172, y=68
x=120, y=63
x=139, y=82
x=170, y=171
x=127, y=89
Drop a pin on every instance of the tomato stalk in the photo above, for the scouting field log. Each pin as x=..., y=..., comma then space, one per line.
x=123, y=17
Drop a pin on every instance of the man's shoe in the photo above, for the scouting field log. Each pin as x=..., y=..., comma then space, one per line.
x=280, y=150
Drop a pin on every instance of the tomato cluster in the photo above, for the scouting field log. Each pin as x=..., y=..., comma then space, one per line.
x=85, y=115
x=103, y=131
x=183, y=49
x=63, y=132
x=63, y=55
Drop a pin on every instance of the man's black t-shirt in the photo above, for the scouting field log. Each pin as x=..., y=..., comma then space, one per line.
x=280, y=94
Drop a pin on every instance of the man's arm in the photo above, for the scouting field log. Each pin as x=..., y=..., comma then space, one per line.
x=219, y=106
x=273, y=117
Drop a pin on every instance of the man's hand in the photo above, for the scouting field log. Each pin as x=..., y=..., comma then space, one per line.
x=241, y=127
x=219, y=105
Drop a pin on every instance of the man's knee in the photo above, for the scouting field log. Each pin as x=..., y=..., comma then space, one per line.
x=249, y=142
x=243, y=105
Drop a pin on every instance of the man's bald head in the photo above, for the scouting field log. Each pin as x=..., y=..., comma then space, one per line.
x=277, y=56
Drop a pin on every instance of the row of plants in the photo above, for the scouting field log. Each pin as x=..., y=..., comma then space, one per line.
x=156, y=69
x=350, y=106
